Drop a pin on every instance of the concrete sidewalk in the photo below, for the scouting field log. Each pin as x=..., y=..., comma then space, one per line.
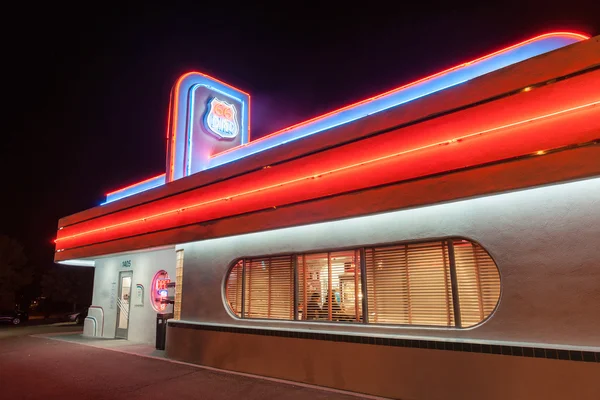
x=68, y=365
x=121, y=345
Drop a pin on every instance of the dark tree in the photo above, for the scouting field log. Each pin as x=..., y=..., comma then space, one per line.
x=65, y=284
x=15, y=272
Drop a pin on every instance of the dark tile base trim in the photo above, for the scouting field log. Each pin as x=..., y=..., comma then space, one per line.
x=536, y=352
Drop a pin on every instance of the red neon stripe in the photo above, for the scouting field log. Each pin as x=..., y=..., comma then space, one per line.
x=335, y=170
x=134, y=184
x=572, y=34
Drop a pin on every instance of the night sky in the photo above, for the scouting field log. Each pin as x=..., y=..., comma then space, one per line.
x=87, y=90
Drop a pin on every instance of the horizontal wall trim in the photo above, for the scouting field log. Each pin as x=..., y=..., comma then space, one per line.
x=593, y=142
x=332, y=177
x=391, y=128
x=470, y=347
x=521, y=174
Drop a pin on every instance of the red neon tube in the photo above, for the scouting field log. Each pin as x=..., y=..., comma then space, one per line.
x=334, y=170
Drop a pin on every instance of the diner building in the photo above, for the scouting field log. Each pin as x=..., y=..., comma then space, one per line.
x=439, y=240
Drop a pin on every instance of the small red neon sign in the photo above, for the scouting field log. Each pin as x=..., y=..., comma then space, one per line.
x=161, y=284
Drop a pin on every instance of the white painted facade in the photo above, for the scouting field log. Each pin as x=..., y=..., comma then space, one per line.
x=102, y=317
x=545, y=242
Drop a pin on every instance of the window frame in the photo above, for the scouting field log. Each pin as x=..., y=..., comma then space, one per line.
x=363, y=277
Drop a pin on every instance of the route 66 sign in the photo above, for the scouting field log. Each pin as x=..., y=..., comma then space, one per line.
x=221, y=119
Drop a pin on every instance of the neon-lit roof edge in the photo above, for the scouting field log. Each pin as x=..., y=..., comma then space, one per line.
x=173, y=112
x=574, y=35
x=135, y=184
x=135, y=188
x=339, y=169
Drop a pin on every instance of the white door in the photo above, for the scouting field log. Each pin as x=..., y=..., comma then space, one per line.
x=123, y=302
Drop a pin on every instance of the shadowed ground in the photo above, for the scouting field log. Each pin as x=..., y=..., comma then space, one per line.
x=44, y=367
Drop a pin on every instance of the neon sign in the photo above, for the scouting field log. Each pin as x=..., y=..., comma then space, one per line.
x=220, y=119
x=204, y=132
x=162, y=284
x=159, y=290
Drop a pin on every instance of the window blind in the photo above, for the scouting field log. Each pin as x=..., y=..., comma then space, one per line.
x=478, y=282
x=409, y=284
x=269, y=288
x=404, y=284
x=233, y=288
x=330, y=287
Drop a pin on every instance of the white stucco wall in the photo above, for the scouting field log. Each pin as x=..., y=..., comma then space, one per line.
x=144, y=265
x=545, y=240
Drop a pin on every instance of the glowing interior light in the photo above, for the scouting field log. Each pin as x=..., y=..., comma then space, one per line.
x=335, y=170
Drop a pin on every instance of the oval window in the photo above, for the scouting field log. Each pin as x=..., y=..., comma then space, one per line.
x=478, y=282
x=412, y=283
x=233, y=288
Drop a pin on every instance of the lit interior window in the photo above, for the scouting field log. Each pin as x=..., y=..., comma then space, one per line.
x=445, y=283
x=329, y=286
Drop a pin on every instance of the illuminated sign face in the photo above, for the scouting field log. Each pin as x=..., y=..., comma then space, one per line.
x=215, y=124
x=207, y=117
x=221, y=119
x=162, y=284
x=159, y=290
